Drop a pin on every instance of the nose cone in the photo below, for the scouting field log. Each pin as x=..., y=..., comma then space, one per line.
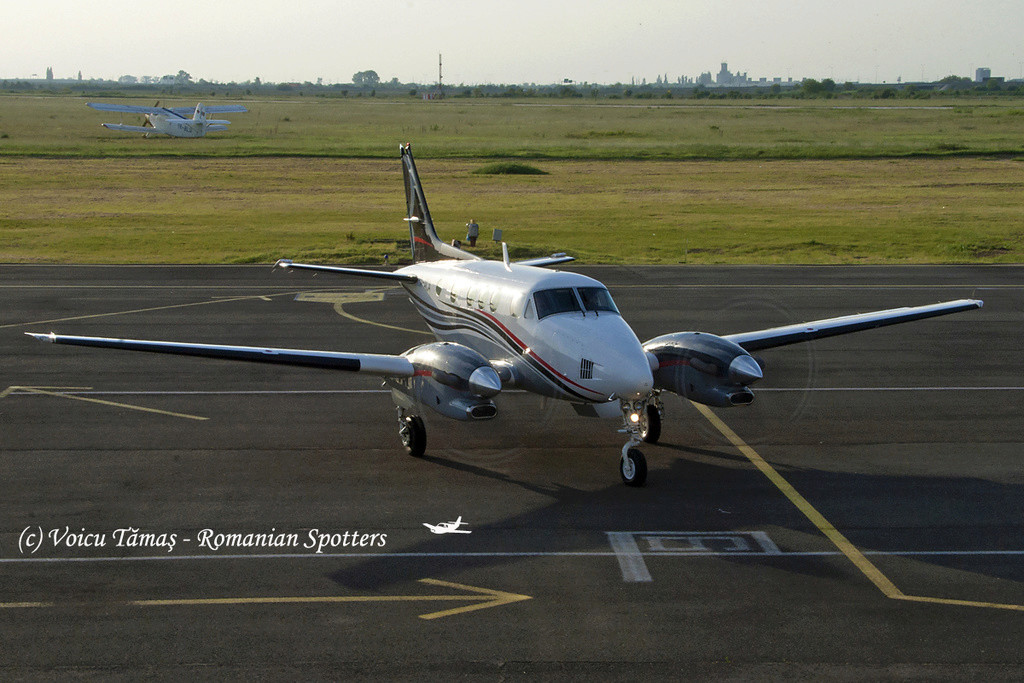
x=630, y=377
x=484, y=382
x=744, y=370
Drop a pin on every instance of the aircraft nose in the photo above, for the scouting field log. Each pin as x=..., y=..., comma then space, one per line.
x=630, y=378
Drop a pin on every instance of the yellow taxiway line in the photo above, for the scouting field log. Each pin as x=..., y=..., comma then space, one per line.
x=847, y=548
x=46, y=391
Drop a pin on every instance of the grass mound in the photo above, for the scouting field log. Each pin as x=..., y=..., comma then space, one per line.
x=509, y=168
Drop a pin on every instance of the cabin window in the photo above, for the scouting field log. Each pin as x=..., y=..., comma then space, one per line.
x=551, y=301
x=494, y=301
x=515, y=303
x=597, y=299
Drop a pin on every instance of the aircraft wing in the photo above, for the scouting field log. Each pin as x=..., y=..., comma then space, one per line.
x=818, y=329
x=133, y=129
x=374, y=364
x=134, y=109
x=362, y=272
x=224, y=108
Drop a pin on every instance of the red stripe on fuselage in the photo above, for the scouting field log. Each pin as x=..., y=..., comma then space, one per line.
x=533, y=354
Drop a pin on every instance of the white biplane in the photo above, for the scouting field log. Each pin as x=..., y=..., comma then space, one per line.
x=178, y=122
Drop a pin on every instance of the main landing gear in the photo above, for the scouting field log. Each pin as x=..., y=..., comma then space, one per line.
x=650, y=419
x=412, y=433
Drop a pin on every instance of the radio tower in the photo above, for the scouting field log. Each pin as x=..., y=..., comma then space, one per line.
x=440, y=83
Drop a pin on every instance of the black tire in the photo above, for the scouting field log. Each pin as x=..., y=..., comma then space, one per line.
x=652, y=432
x=414, y=436
x=633, y=468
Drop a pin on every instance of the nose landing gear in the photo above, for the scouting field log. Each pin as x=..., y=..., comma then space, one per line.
x=633, y=466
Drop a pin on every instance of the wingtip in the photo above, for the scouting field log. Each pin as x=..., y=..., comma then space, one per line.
x=51, y=337
x=283, y=263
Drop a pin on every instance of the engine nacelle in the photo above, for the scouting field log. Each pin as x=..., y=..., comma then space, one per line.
x=704, y=368
x=452, y=379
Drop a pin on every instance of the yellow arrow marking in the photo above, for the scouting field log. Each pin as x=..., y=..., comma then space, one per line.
x=44, y=391
x=484, y=597
x=862, y=563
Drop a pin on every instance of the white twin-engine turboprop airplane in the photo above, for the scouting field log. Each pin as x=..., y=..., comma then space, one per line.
x=518, y=325
x=178, y=122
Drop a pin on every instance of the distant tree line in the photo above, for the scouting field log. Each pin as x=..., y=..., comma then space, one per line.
x=368, y=83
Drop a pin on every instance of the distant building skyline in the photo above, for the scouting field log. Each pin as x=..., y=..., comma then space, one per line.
x=723, y=79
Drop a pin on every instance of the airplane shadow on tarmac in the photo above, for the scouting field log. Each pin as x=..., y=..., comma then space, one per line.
x=717, y=490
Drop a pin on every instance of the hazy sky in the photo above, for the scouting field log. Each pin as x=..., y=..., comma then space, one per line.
x=513, y=41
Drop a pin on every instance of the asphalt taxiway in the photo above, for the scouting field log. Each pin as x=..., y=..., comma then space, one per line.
x=864, y=517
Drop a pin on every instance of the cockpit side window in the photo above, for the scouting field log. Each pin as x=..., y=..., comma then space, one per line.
x=597, y=299
x=551, y=301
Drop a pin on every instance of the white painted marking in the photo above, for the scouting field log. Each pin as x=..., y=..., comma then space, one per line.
x=780, y=389
x=631, y=562
x=313, y=392
x=626, y=545
x=510, y=554
x=248, y=392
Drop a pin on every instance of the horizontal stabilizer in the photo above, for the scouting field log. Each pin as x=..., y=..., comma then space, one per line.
x=552, y=260
x=374, y=364
x=339, y=270
x=818, y=329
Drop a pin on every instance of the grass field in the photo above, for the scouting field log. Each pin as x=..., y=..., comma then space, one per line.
x=320, y=179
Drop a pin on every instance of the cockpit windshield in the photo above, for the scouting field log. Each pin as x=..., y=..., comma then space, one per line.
x=551, y=301
x=597, y=299
x=565, y=300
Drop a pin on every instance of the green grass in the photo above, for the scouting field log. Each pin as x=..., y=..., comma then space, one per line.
x=486, y=129
x=319, y=179
x=255, y=210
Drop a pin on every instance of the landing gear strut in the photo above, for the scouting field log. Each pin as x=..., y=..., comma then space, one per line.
x=633, y=466
x=412, y=433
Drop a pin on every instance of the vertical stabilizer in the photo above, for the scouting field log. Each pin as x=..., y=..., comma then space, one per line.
x=423, y=240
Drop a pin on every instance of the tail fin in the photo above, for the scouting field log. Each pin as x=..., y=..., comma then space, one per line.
x=200, y=112
x=423, y=240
